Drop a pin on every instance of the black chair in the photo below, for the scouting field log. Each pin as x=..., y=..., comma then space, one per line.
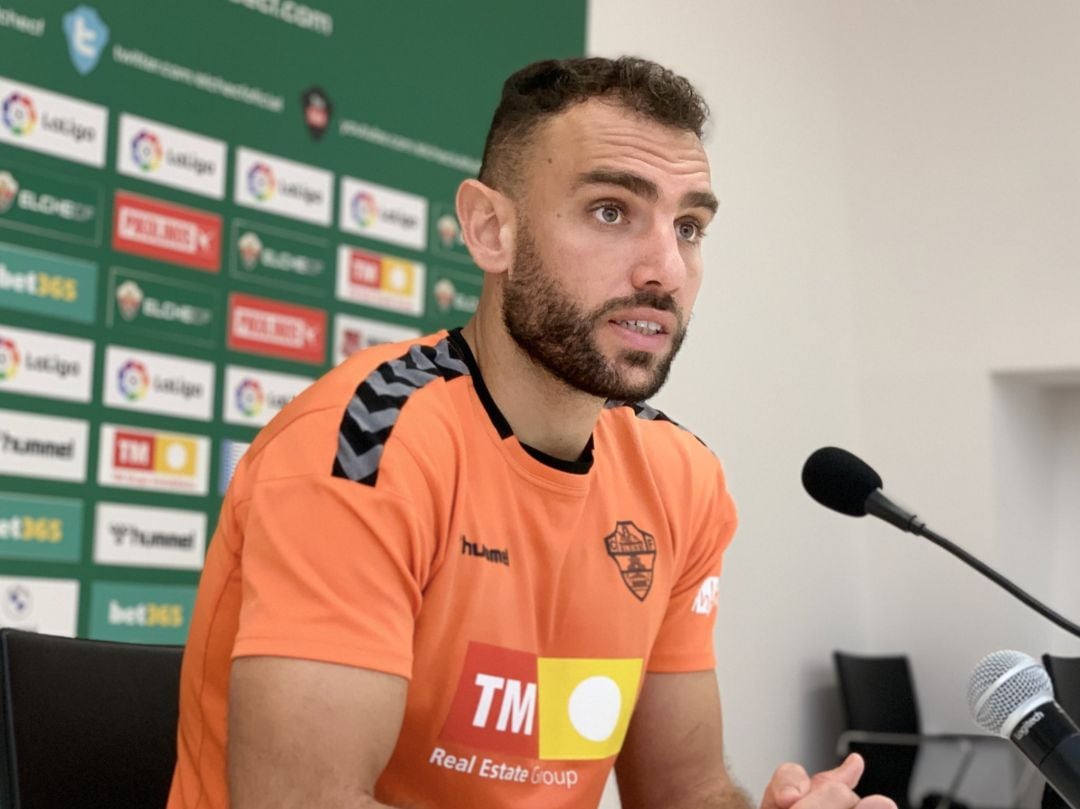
x=86, y=724
x=1065, y=676
x=882, y=725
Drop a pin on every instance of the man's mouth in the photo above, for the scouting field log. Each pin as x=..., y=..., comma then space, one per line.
x=646, y=327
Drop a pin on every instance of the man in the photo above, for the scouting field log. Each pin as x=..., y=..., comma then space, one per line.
x=472, y=570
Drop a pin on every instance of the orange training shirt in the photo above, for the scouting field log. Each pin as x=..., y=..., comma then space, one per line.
x=388, y=519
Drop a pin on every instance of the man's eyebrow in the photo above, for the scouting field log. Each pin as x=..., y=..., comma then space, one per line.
x=633, y=183
x=647, y=189
x=701, y=199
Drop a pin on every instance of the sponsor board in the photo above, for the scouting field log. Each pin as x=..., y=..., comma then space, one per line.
x=167, y=232
x=33, y=446
x=454, y=296
x=140, y=613
x=50, y=606
x=283, y=187
x=446, y=237
x=385, y=214
x=47, y=284
x=49, y=205
x=155, y=460
x=382, y=282
x=354, y=333
x=37, y=363
x=546, y=708
x=142, y=304
x=42, y=529
x=253, y=397
x=145, y=536
x=53, y=124
x=231, y=453
x=158, y=383
x=278, y=258
x=277, y=329
x=167, y=155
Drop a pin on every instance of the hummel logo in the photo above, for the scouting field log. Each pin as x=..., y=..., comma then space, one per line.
x=500, y=555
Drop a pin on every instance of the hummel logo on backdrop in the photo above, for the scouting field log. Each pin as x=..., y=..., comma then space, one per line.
x=499, y=555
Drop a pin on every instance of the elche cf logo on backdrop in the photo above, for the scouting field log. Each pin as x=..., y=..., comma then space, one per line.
x=9, y=187
x=317, y=111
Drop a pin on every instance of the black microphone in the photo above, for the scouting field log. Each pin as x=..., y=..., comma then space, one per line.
x=845, y=483
x=1010, y=695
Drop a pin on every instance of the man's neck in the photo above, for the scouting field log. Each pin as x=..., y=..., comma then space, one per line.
x=543, y=411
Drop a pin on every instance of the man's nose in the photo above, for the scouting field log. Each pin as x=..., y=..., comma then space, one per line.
x=660, y=261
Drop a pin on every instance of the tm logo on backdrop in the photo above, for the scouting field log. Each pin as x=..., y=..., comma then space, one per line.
x=317, y=111
x=87, y=35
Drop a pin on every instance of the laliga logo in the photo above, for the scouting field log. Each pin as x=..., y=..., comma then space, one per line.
x=9, y=358
x=260, y=182
x=250, y=249
x=364, y=209
x=19, y=114
x=250, y=398
x=9, y=187
x=133, y=380
x=146, y=151
x=129, y=297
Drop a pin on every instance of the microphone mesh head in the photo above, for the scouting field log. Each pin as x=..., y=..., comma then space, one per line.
x=839, y=480
x=1002, y=683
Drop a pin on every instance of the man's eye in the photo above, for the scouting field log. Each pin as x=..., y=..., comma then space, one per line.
x=608, y=214
x=689, y=231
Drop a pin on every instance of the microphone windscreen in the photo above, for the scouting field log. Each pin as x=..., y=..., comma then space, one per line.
x=1003, y=687
x=839, y=480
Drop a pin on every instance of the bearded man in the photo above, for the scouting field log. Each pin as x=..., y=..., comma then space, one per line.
x=475, y=569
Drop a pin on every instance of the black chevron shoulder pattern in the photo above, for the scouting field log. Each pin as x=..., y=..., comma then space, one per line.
x=376, y=406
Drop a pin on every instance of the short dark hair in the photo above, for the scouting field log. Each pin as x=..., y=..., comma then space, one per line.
x=544, y=89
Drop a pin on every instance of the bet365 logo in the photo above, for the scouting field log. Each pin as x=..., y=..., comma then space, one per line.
x=553, y=708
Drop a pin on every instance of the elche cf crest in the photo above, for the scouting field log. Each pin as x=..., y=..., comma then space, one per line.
x=317, y=111
x=634, y=551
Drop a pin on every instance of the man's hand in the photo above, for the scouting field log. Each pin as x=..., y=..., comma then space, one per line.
x=792, y=788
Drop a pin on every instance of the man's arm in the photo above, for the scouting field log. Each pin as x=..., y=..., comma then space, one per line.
x=673, y=757
x=673, y=754
x=305, y=733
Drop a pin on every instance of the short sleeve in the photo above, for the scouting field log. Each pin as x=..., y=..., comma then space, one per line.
x=685, y=640
x=332, y=570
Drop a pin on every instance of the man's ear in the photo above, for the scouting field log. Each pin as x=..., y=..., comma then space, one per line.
x=487, y=224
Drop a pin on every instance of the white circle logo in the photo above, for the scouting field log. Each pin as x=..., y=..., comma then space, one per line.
x=594, y=708
x=176, y=456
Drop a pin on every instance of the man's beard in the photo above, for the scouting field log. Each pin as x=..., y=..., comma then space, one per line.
x=556, y=333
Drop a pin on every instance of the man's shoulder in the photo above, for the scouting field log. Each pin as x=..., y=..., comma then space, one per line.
x=655, y=431
x=341, y=422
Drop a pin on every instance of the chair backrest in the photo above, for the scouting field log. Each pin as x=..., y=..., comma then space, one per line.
x=878, y=694
x=86, y=723
x=1065, y=676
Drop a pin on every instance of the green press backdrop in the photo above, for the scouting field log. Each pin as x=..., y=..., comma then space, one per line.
x=203, y=207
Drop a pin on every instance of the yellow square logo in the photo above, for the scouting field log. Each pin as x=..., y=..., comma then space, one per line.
x=585, y=705
x=174, y=455
x=398, y=276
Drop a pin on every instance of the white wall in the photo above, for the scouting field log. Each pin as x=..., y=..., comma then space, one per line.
x=895, y=269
